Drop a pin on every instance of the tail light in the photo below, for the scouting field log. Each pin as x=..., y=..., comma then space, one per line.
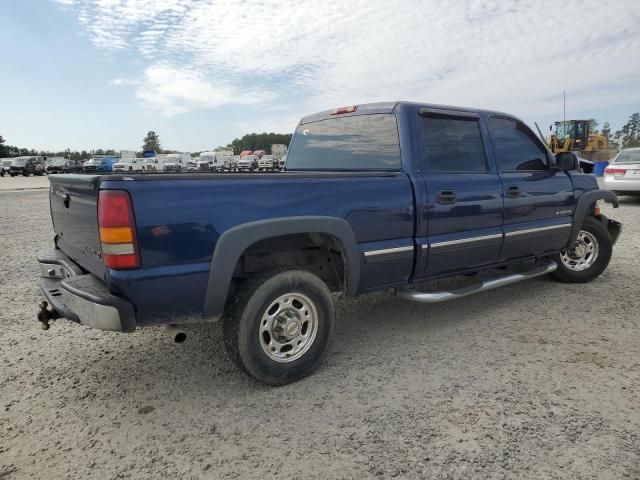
x=117, y=230
x=614, y=171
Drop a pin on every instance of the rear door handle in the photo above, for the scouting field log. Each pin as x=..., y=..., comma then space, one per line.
x=446, y=197
x=513, y=191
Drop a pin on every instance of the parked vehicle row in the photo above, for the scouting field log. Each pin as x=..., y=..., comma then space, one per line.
x=27, y=165
x=220, y=160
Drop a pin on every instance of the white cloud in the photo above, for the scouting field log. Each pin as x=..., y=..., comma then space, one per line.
x=505, y=55
x=172, y=90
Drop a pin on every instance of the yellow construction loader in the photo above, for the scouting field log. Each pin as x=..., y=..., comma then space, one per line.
x=576, y=136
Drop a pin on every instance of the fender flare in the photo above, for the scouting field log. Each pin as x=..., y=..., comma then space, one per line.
x=582, y=208
x=234, y=241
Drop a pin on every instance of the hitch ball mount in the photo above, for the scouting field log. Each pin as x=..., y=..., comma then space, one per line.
x=45, y=315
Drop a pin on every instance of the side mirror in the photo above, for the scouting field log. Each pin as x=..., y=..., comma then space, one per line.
x=567, y=161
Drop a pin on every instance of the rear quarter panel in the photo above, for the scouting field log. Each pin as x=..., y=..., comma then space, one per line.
x=180, y=220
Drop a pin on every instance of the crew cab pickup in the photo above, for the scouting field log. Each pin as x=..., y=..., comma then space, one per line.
x=373, y=197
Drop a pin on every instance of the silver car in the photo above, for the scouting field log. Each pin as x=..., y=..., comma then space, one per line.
x=622, y=176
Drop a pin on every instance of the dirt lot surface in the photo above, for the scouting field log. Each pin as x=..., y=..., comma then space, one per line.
x=19, y=182
x=535, y=380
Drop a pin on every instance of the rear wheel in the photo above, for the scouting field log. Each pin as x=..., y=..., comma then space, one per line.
x=279, y=325
x=589, y=255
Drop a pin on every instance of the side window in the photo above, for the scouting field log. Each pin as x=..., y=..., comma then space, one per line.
x=516, y=146
x=356, y=142
x=454, y=144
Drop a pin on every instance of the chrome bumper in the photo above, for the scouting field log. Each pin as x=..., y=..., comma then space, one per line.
x=81, y=297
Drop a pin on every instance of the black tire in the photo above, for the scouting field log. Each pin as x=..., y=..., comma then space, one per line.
x=244, y=314
x=605, y=247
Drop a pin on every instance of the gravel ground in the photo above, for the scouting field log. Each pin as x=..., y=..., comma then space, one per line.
x=535, y=380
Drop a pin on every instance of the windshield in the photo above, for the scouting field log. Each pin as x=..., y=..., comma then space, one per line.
x=570, y=129
x=20, y=162
x=57, y=161
x=357, y=142
x=205, y=158
x=628, y=156
x=7, y=163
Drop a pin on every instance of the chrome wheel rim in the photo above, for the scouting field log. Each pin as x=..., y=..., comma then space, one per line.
x=583, y=254
x=288, y=327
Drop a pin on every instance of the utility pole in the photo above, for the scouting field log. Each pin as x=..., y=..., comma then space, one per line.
x=564, y=106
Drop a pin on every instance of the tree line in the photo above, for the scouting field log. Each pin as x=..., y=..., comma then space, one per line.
x=628, y=136
x=151, y=142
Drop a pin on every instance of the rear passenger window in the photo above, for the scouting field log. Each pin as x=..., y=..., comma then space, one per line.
x=516, y=147
x=454, y=144
x=355, y=142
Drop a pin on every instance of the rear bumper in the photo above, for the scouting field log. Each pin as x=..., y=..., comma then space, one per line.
x=82, y=298
x=622, y=184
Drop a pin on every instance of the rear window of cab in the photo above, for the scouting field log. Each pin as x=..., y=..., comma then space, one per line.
x=356, y=142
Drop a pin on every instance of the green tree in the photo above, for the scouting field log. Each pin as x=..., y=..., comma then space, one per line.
x=259, y=141
x=3, y=149
x=606, y=131
x=593, y=125
x=151, y=142
x=630, y=133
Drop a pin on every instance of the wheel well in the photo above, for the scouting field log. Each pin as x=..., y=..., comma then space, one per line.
x=319, y=253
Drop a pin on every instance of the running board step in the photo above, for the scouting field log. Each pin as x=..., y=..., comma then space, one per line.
x=437, y=297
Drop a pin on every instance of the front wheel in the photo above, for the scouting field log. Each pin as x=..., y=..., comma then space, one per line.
x=279, y=325
x=589, y=255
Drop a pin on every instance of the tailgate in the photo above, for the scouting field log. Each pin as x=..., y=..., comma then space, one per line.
x=74, y=211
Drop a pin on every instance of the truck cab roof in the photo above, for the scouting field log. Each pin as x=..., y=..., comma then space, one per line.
x=390, y=107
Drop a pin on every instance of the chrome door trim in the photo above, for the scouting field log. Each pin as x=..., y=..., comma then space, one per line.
x=388, y=251
x=462, y=241
x=538, y=229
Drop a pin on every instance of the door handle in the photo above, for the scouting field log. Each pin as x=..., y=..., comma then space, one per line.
x=513, y=191
x=445, y=197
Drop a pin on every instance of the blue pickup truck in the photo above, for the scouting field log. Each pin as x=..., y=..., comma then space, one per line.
x=373, y=197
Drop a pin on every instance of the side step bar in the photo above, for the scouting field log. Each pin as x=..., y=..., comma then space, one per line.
x=435, y=297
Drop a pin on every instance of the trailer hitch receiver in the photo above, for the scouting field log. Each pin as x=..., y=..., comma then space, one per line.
x=45, y=315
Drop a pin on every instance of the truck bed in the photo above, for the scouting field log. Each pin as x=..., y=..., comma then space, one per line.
x=179, y=219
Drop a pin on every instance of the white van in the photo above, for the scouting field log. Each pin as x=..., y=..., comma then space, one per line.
x=154, y=164
x=128, y=162
x=215, y=161
x=176, y=162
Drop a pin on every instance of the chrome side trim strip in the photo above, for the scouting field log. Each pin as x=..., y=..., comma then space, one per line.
x=539, y=229
x=461, y=241
x=388, y=251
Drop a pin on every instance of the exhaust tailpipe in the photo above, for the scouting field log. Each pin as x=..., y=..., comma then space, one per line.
x=176, y=333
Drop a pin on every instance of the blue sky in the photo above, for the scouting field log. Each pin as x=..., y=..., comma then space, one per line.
x=101, y=73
